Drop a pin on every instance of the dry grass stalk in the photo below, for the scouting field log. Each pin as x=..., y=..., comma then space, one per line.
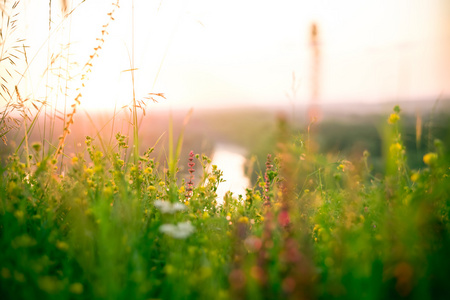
x=9, y=54
x=87, y=69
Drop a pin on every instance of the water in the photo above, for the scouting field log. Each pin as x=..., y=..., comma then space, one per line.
x=230, y=160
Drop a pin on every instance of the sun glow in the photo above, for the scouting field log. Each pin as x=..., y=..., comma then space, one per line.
x=215, y=53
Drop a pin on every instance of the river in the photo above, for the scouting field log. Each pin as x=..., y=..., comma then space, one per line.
x=230, y=160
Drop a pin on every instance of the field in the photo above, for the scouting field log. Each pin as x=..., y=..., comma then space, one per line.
x=313, y=226
x=125, y=206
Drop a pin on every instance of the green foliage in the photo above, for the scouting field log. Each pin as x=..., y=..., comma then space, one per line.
x=111, y=228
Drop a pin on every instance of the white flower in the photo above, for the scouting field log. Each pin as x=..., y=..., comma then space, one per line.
x=178, y=207
x=168, y=208
x=179, y=231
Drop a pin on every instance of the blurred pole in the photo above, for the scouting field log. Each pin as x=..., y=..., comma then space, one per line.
x=314, y=109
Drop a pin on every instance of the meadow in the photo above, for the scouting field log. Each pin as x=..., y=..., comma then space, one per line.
x=125, y=216
x=312, y=226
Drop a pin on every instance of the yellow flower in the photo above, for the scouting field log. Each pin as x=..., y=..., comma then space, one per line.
x=430, y=158
x=62, y=246
x=76, y=288
x=74, y=160
x=393, y=118
x=395, y=147
x=169, y=269
x=19, y=214
x=243, y=220
x=151, y=188
x=415, y=177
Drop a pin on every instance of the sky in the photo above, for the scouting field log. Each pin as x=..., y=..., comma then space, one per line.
x=211, y=53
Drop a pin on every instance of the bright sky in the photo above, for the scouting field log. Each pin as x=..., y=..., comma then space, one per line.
x=206, y=53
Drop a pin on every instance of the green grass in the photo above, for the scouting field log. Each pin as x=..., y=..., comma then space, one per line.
x=332, y=229
x=110, y=220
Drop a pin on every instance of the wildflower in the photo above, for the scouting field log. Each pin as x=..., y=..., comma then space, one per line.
x=76, y=288
x=180, y=231
x=168, y=208
x=288, y=284
x=237, y=279
x=19, y=214
x=190, y=183
x=393, y=118
x=415, y=177
x=23, y=241
x=169, y=269
x=269, y=167
x=49, y=284
x=98, y=154
x=395, y=147
x=283, y=218
x=205, y=272
x=253, y=243
x=62, y=246
x=430, y=158
x=243, y=220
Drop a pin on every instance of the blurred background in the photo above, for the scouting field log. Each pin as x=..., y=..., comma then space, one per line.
x=341, y=64
x=209, y=53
